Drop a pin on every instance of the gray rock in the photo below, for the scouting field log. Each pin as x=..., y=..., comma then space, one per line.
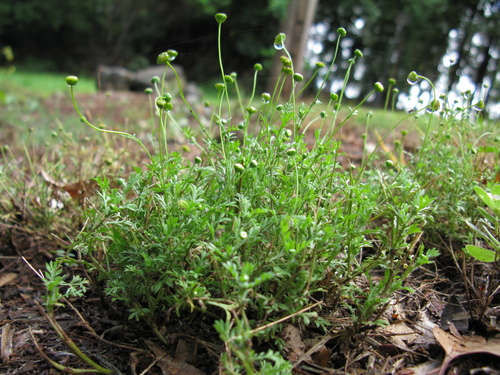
x=113, y=78
x=117, y=78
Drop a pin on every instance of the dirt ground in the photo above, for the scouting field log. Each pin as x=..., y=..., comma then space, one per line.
x=447, y=326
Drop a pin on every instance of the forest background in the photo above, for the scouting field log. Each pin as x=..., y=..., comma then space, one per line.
x=454, y=43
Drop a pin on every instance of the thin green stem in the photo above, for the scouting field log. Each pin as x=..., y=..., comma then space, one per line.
x=123, y=134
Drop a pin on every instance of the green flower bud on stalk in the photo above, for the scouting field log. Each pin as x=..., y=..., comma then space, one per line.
x=279, y=107
x=148, y=91
x=168, y=106
x=163, y=58
x=323, y=114
x=288, y=133
x=320, y=64
x=197, y=160
x=358, y=53
x=253, y=163
x=286, y=61
x=251, y=110
x=228, y=79
x=341, y=32
x=434, y=106
x=234, y=75
x=378, y=87
x=479, y=106
x=291, y=152
x=257, y=67
x=239, y=167
x=72, y=80
x=167, y=97
x=279, y=41
x=334, y=97
x=392, y=81
x=161, y=103
x=412, y=78
x=389, y=164
x=220, y=86
x=172, y=54
x=220, y=18
x=287, y=71
x=266, y=97
x=241, y=126
x=297, y=77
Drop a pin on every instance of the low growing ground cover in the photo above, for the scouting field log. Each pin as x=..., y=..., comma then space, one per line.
x=258, y=234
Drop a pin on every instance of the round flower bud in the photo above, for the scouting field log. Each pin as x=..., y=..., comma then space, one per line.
x=172, y=54
x=279, y=107
x=266, y=97
x=378, y=87
x=168, y=106
x=288, y=133
x=288, y=71
x=286, y=61
x=72, y=80
x=220, y=18
x=404, y=133
x=434, y=106
x=228, y=79
x=243, y=235
x=220, y=86
x=253, y=163
x=341, y=32
x=334, y=97
x=197, y=160
x=291, y=152
x=148, y=91
x=297, y=77
x=412, y=78
x=167, y=97
x=251, y=110
x=279, y=41
x=241, y=126
x=479, y=106
x=320, y=64
x=234, y=75
x=389, y=164
x=239, y=167
x=163, y=58
x=257, y=67
x=161, y=103
x=392, y=81
x=358, y=53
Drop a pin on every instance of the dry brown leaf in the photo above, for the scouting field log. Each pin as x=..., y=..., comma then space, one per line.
x=7, y=278
x=455, y=347
x=170, y=366
x=6, y=346
x=294, y=346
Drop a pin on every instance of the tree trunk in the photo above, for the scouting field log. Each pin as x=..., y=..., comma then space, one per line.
x=296, y=26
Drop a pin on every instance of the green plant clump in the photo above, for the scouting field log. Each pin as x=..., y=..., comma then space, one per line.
x=263, y=224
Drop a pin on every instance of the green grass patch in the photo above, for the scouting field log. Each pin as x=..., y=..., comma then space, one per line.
x=42, y=83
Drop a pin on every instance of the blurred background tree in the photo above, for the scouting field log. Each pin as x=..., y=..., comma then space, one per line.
x=441, y=39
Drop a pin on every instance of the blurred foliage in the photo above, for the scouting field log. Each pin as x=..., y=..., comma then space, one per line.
x=79, y=35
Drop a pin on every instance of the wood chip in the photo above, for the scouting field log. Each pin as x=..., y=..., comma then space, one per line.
x=6, y=345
